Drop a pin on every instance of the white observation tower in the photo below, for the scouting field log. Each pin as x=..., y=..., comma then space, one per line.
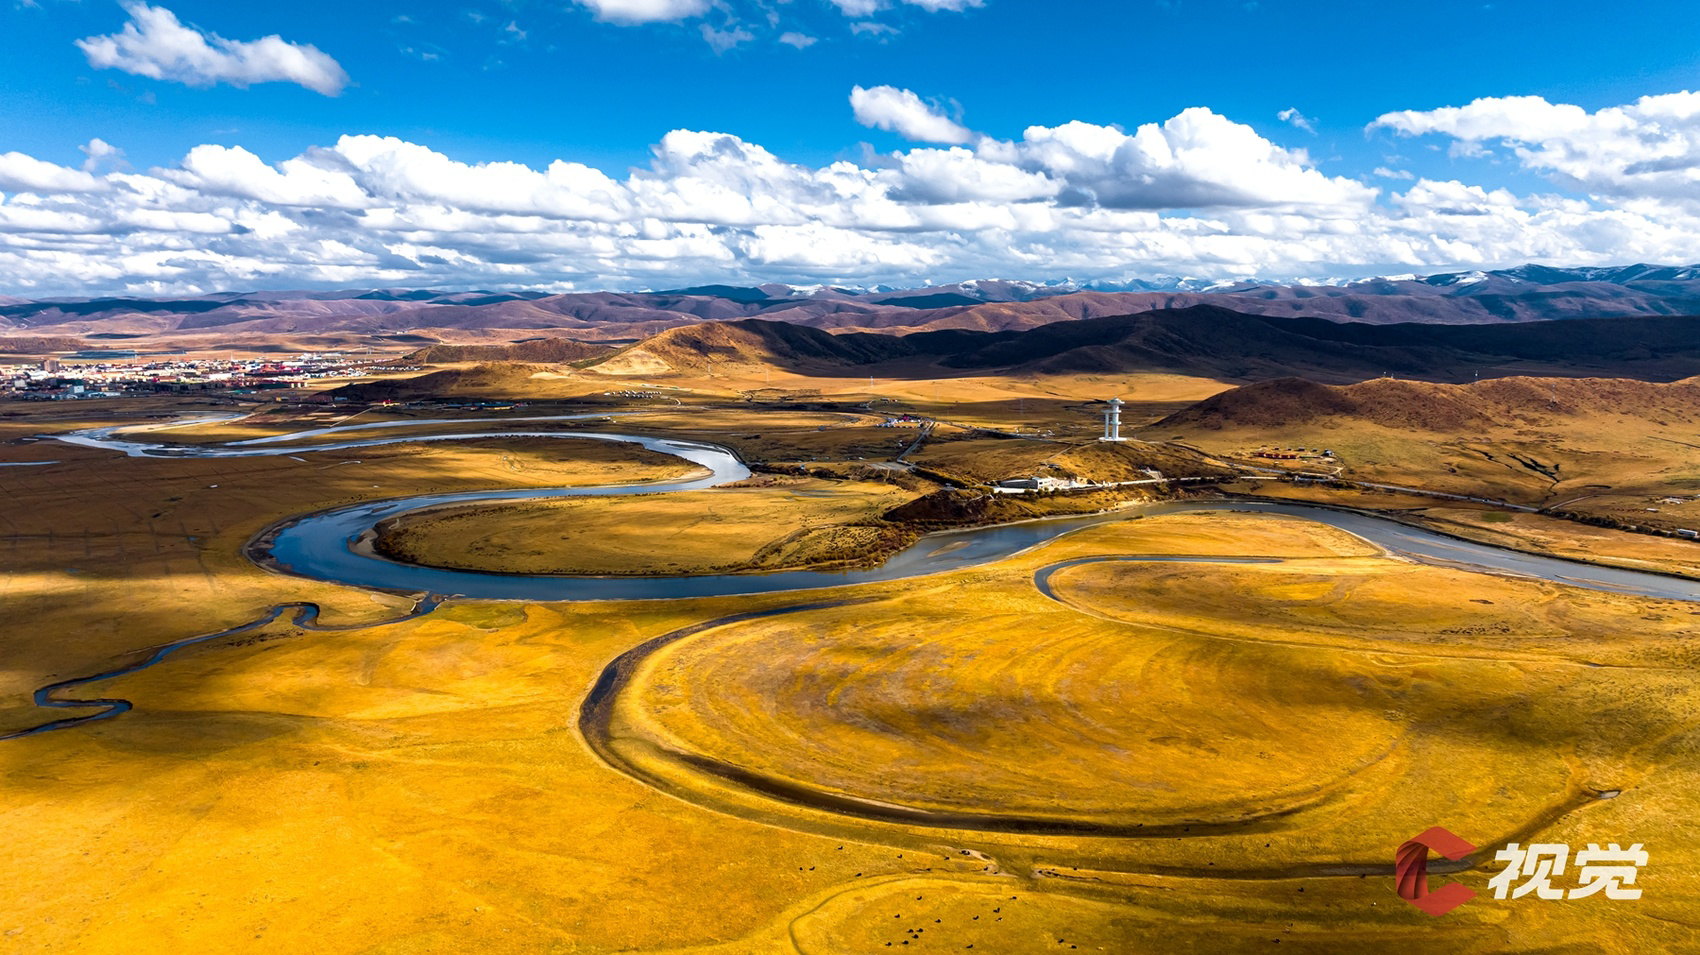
x=1113, y=421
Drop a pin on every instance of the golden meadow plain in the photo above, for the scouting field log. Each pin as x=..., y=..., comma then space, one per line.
x=1199, y=757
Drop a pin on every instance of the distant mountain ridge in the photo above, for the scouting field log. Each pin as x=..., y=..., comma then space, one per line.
x=1202, y=340
x=1522, y=294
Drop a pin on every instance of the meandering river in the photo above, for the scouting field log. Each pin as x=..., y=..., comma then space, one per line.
x=331, y=546
x=328, y=545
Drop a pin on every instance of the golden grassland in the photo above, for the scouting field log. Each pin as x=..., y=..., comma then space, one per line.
x=940, y=701
x=976, y=457
x=1031, y=403
x=424, y=787
x=1057, y=403
x=775, y=436
x=1294, y=717
x=421, y=787
x=401, y=789
x=1603, y=461
x=776, y=523
x=1535, y=533
x=104, y=555
x=1562, y=538
x=939, y=388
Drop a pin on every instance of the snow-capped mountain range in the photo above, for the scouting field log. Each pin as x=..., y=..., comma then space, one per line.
x=1524, y=293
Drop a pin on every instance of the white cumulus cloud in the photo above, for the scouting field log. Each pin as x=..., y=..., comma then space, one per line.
x=99, y=152
x=904, y=113
x=157, y=45
x=722, y=40
x=238, y=173
x=1196, y=160
x=1194, y=194
x=1297, y=120
x=21, y=173
x=1646, y=149
x=644, y=11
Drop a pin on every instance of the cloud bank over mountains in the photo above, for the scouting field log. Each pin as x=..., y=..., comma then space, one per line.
x=1196, y=194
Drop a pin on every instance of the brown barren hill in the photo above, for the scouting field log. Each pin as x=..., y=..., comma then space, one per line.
x=1425, y=406
x=507, y=380
x=695, y=349
x=1200, y=340
x=537, y=351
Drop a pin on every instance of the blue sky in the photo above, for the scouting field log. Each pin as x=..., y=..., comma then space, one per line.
x=598, y=84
